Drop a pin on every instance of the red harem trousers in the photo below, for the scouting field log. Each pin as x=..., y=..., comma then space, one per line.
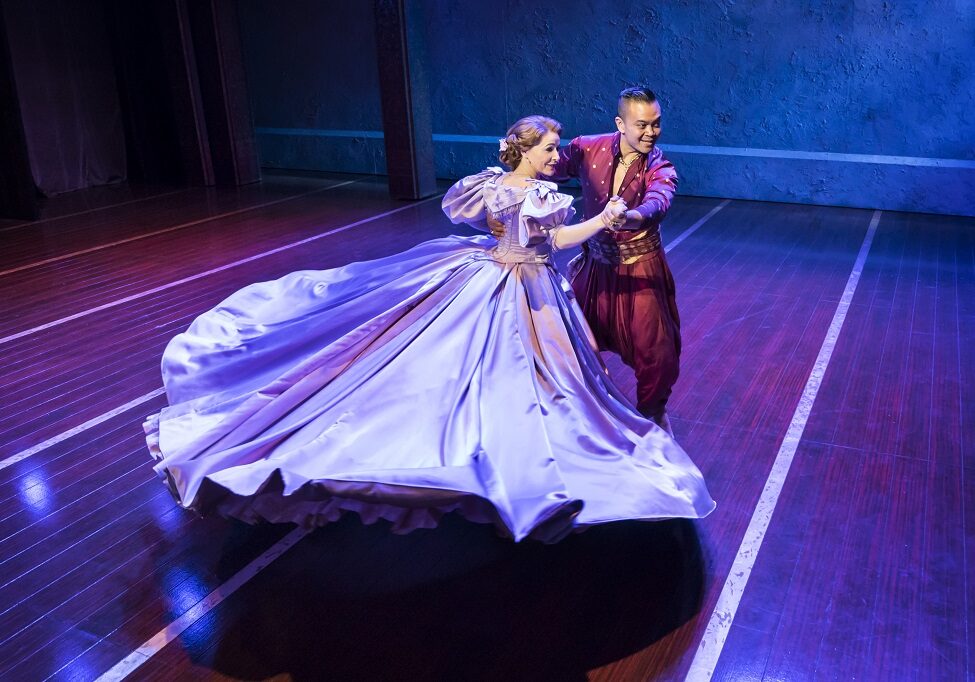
x=632, y=310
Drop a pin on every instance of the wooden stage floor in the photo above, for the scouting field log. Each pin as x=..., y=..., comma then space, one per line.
x=826, y=394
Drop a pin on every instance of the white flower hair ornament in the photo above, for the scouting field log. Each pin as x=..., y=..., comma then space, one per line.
x=503, y=145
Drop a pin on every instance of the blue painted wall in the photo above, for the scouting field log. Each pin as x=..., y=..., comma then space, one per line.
x=867, y=103
x=311, y=71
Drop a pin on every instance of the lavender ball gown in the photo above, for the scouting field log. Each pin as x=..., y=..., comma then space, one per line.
x=457, y=376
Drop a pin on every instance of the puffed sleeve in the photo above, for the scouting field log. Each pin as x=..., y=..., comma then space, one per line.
x=464, y=202
x=543, y=211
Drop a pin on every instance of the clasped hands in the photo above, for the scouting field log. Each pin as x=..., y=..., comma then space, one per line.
x=614, y=213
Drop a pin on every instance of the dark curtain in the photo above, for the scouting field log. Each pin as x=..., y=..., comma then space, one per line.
x=63, y=67
x=151, y=137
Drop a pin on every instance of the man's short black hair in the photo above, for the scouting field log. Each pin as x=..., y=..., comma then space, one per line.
x=638, y=94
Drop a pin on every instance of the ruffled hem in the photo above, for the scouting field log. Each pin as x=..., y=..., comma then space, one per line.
x=318, y=503
x=315, y=504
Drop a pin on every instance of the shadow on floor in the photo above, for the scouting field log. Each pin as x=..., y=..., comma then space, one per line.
x=457, y=603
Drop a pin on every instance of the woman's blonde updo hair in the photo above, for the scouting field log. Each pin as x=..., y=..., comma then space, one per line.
x=524, y=134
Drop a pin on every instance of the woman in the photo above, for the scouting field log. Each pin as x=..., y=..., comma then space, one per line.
x=457, y=376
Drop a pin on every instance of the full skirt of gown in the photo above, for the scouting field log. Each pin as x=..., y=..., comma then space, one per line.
x=431, y=381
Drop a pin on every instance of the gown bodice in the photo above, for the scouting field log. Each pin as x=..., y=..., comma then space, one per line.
x=509, y=248
x=530, y=214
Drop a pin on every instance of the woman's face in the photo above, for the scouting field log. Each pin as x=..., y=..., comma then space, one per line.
x=543, y=156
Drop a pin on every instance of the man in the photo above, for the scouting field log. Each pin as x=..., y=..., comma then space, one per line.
x=622, y=280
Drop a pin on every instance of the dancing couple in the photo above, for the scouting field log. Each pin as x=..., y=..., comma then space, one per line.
x=461, y=375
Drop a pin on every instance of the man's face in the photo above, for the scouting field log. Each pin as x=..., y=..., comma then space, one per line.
x=640, y=125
